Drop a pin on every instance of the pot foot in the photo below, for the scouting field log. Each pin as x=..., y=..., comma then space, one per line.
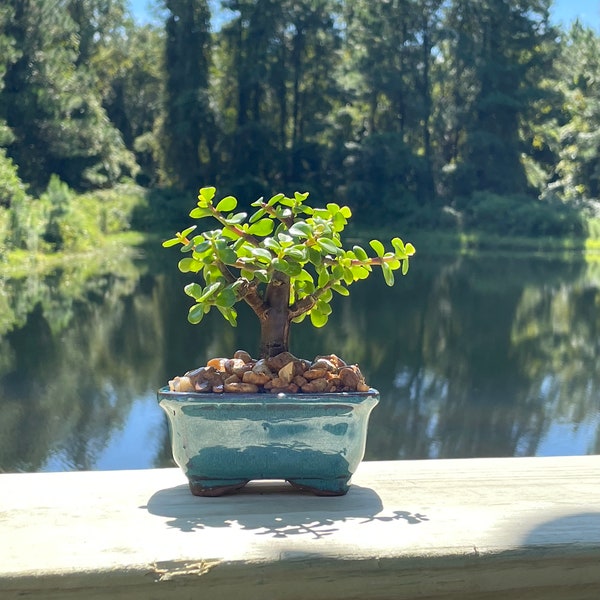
x=322, y=487
x=216, y=487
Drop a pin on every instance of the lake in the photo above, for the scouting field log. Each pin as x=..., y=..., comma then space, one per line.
x=473, y=356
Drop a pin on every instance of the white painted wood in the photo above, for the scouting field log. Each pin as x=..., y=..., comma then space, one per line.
x=481, y=528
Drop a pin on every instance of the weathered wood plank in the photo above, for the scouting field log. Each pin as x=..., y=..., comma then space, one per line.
x=479, y=528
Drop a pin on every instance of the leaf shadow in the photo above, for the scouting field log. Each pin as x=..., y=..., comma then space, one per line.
x=274, y=509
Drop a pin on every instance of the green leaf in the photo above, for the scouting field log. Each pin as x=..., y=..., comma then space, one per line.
x=261, y=254
x=194, y=290
x=298, y=253
x=388, y=274
x=202, y=247
x=323, y=307
x=409, y=249
x=281, y=265
x=259, y=214
x=360, y=272
x=263, y=227
x=378, y=247
x=187, y=231
x=314, y=256
x=227, y=255
x=271, y=244
x=304, y=276
x=294, y=269
x=360, y=253
x=210, y=290
x=189, y=265
x=405, y=266
x=323, y=278
x=348, y=276
x=171, y=242
x=187, y=247
x=205, y=196
x=237, y=218
x=196, y=313
x=300, y=229
x=227, y=204
x=346, y=212
x=226, y=298
x=285, y=240
x=328, y=246
x=262, y=275
x=398, y=245
x=340, y=289
x=200, y=213
x=317, y=318
x=274, y=199
x=230, y=315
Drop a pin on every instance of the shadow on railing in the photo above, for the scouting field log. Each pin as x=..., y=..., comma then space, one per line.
x=299, y=513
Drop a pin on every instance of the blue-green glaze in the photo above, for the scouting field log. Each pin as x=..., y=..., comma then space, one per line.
x=315, y=441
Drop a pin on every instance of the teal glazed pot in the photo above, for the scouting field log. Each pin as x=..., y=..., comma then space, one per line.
x=222, y=441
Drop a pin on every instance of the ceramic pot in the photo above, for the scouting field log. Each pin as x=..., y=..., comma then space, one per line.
x=222, y=441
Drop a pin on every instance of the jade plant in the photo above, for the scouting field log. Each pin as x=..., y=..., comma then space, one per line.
x=286, y=261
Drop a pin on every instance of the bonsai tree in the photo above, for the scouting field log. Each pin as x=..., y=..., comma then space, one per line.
x=286, y=260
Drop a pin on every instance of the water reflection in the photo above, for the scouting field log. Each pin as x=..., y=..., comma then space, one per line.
x=473, y=357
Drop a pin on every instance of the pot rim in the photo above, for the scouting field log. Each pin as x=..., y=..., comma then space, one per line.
x=165, y=393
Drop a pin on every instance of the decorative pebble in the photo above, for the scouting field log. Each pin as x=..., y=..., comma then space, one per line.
x=283, y=373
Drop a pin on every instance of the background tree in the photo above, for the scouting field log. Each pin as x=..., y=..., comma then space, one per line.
x=496, y=55
x=390, y=169
x=58, y=122
x=573, y=133
x=188, y=130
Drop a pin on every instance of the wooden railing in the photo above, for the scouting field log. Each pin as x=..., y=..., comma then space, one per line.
x=518, y=528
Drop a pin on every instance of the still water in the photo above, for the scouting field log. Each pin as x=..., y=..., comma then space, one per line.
x=473, y=357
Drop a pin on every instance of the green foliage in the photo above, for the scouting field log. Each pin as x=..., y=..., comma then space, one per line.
x=518, y=216
x=284, y=242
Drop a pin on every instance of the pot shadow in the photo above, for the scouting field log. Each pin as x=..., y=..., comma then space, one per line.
x=274, y=509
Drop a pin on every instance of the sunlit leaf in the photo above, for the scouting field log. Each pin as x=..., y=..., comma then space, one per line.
x=262, y=227
x=377, y=246
x=226, y=298
x=271, y=244
x=210, y=290
x=189, y=265
x=237, y=218
x=196, y=313
x=227, y=204
x=281, y=265
x=200, y=213
x=323, y=278
x=259, y=214
x=230, y=315
x=193, y=289
x=205, y=196
x=274, y=199
x=360, y=253
x=405, y=266
x=388, y=274
x=261, y=254
x=300, y=229
x=328, y=246
x=171, y=242
x=317, y=318
x=340, y=289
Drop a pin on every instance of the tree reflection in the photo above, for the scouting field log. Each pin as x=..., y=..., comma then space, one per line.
x=473, y=357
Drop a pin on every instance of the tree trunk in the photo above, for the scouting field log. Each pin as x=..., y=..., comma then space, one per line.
x=275, y=320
